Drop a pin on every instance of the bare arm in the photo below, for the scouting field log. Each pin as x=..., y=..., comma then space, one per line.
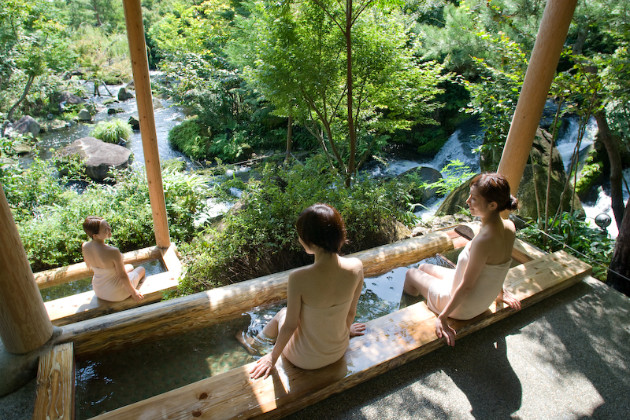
x=358, y=328
x=265, y=364
x=478, y=257
x=85, y=259
x=122, y=273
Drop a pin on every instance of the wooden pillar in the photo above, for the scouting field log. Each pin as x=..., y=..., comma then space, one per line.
x=540, y=73
x=142, y=84
x=24, y=323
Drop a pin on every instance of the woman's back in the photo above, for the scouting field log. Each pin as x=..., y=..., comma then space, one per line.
x=329, y=282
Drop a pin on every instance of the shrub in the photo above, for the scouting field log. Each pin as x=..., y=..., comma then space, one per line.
x=260, y=237
x=112, y=131
x=54, y=235
x=188, y=139
x=29, y=189
x=589, y=244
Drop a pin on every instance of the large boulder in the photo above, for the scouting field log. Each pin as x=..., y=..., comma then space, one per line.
x=27, y=124
x=97, y=156
x=539, y=154
x=61, y=100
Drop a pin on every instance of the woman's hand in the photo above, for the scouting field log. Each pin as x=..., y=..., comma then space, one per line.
x=442, y=329
x=509, y=299
x=356, y=329
x=263, y=367
x=137, y=296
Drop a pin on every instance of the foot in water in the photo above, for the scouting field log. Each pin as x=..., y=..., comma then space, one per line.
x=256, y=346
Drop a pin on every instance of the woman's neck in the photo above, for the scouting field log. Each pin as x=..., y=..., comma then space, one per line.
x=323, y=257
x=491, y=218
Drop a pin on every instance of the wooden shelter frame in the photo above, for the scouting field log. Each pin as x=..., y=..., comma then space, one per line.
x=24, y=322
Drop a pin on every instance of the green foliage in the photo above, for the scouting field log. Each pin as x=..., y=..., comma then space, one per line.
x=572, y=233
x=295, y=54
x=260, y=237
x=112, y=131
x=494, y=96
x=591, y=173
x=454, y=174
x=187, y=138
x=32, y=44
x=49, y=217
x=103, y=57
x=27, y=190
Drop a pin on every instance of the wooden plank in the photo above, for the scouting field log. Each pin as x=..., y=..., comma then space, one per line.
x=55, y=384
x=389, y=341
x=524, y=252
x=224, y=303
x=70, y=273
x=170, y=258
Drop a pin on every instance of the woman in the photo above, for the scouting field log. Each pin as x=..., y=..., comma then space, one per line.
x=314, y=329
x=113, y=280
x=469, y=289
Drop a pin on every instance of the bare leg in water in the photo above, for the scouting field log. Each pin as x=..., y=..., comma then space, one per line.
x=266, y=338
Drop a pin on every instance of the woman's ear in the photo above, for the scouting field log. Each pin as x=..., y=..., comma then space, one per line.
x=493, y=205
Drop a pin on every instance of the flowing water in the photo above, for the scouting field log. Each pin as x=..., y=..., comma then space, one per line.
x=167, y=116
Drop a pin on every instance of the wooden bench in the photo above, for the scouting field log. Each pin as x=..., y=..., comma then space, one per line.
x=389, y=342
x=86, y=305
x=55, y=384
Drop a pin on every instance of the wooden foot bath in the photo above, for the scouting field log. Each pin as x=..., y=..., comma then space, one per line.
x=86, y=305
x=390, y=340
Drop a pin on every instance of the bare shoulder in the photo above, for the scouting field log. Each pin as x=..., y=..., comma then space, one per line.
x=352, y=264
x=509, y=225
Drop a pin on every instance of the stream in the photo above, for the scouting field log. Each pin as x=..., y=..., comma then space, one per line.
x=460, y=145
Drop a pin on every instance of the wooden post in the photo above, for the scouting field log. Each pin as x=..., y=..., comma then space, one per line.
x=144, y=100
x=24, y=323
x=55, y=384
x=540, y=73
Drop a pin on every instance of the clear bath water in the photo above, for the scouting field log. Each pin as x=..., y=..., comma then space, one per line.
x=119, y=378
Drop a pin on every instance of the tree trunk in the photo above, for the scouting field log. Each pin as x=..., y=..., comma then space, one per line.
x=616, y=176
x=620, y=262
x=352, y=135
x=29, y=83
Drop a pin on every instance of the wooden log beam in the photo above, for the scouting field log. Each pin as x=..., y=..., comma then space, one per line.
x=390, y=341
x=24, y=323
x=225, y=303
x=540, y=73
x=144, y=100
x=70, y=273
x=55, y=384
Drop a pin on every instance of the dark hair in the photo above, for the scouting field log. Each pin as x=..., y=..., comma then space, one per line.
x=493, y=186
x=322, y=225
x=91, y=225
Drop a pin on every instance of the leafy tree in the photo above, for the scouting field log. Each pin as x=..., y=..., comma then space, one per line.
x=33, y=44
x=105, y=14
x=345, y=71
